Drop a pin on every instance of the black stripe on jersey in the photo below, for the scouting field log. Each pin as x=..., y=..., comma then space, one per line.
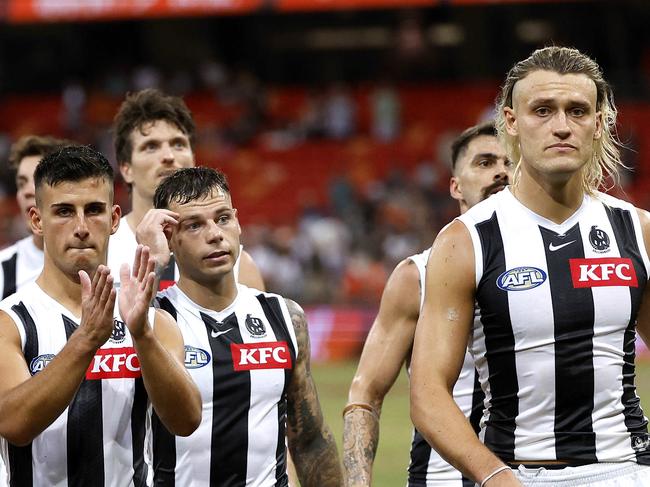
x=138, y=422
x=20, y=457
x=478, y=401
x=85, y=445
x=9, y=272
x=419, y=464
x=573, y=336
x=273, y=312
x=499, y=344
x=230, y=406
x=164, y=443
x=635, y=421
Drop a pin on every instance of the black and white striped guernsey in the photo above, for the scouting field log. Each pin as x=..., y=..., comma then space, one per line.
x=555, y=344
x=21, y=263
x=242, y=360
x=99, y=439
x=426, y=466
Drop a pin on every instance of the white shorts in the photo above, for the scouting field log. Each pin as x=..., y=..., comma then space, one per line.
x=625, y=474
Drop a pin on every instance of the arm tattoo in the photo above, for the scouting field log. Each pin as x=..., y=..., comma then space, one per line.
x=311, y=442
x=360, y=439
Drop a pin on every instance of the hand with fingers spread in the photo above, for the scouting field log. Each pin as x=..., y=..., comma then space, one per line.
x=152, y=232
x=136, y=292
x=97, y=306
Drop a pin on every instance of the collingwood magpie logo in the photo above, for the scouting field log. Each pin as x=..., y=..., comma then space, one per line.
x=255, y=327
x=119, y=331
x=640, y=441
x=599, y=239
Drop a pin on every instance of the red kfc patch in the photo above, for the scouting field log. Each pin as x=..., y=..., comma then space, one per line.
x=114, y=363
x=607, y=271
x=255, y=356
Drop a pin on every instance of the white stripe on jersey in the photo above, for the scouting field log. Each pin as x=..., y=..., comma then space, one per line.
x=438, y=470
x=49, y=449
x=531, y=314
x=193, y=454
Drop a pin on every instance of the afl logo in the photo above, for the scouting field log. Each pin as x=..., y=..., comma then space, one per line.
x=598, y=239
x=521, y=279
x=38, y=363
x=195, y=358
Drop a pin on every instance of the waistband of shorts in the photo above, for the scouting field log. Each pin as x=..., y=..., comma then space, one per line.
x=580, y=475
x=547, y=466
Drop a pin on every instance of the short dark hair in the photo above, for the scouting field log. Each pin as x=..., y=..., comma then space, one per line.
x=189, y=184
x=71, y=164
x=34, y=145
x=461, y=142
x=148, y=106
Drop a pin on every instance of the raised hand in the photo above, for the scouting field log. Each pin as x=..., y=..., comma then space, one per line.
x=97, y=305
x=151, y=232
x=136, y=292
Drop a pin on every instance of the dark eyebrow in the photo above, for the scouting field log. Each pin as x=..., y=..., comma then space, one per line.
x=485, y=155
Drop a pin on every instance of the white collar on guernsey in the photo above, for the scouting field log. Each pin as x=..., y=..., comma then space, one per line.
x=511, y=200
x=218, y=315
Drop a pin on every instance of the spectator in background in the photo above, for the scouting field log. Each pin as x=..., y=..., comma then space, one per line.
x=339, y=113
x=22, y=262
x=386, y=113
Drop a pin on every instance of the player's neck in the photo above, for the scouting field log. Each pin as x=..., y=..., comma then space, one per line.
x=216, y=296
x=139, y=207
x=61, y=287
x=38, y=241
x=556, y=201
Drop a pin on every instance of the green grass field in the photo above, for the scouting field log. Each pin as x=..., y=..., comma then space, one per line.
x=333, y=381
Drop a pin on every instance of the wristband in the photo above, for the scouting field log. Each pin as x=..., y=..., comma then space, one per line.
x=496, y=472
x=363, y=406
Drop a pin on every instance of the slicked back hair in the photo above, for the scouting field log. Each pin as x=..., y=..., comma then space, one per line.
x=72, y=164
x=145, y=107
x=606, y=160
x=461, y=142
x=34, y=145
x=189, y=184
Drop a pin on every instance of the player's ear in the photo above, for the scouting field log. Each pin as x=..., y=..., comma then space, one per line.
x=234, y=213
x=511, y=121
x=116, y=214
x=35, y=221
x=455, y=189
x=126, y=171
x=599, y=126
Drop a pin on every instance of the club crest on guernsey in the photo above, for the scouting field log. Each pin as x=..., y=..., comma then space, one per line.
x=119, y=331
x=599, y=239
x=255, y=326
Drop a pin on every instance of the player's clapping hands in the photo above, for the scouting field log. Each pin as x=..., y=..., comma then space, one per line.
x=97, y=305
x=136, y=292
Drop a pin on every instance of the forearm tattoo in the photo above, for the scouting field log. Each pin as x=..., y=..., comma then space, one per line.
x=360, y=439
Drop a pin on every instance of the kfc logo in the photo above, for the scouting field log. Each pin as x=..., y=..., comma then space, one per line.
x=114, y=363
x=254, y=356
x=610, y=271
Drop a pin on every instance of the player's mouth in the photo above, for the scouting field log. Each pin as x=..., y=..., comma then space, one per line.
x=81, y=247
x=165, y=172
x=217, y=255
x=562, y=146
x=494, y=189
